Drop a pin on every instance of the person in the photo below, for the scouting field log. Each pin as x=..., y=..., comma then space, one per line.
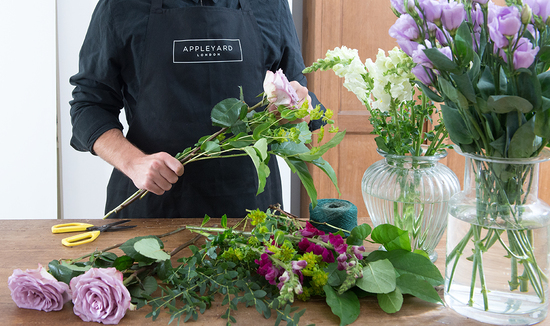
x=167, y=63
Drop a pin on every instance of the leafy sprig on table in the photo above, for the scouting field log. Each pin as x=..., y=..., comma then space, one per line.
x=226, y=268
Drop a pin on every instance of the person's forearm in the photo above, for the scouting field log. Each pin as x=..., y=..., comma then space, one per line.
x=116, y=150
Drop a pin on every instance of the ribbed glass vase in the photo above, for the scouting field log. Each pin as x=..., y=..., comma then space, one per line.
x=412, y=193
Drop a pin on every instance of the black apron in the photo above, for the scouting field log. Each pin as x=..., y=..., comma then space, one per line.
x=195, y=57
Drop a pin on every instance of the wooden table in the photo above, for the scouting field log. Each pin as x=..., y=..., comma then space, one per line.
x=26, y=243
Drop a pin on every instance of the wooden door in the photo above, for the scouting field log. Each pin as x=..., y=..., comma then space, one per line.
x=362, y=25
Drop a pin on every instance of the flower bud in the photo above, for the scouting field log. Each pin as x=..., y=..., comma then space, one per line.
x=526, y=14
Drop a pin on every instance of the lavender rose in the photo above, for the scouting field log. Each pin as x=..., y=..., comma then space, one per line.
x=278, y=89
x=432, y=10
x=100, y=296
x=37, y=289
x=405, y=28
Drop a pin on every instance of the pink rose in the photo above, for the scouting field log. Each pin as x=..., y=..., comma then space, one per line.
x=100, y=296
x=278, y=90
x=38, y=289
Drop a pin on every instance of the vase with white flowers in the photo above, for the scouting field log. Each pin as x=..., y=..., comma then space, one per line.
x=489, y=65
x=409, y=187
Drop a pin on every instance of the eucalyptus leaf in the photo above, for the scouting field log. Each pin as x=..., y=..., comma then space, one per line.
x=542, y=124
x=378, y=277
x=390, y=302
x=149, y=285
x=345, y=306
x=409, y=263
x=440, y=60
x=335, y=276
x=529, y=87
x=465, y=86
x=458, y=132
x=522, y=143
x=391, y=237
x=410, y=284
x=150, y=248
x=129, y=250
x=508, y=103
x=359, y=234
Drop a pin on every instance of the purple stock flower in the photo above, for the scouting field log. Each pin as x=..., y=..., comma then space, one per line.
x=453, y=15
x=539, y=8
x=310, y=231
x=358, y=251
x=308, y=246
x=266, y=269
x=338, y=242
x=503, y=22
x=404, y=28
x=298, y=265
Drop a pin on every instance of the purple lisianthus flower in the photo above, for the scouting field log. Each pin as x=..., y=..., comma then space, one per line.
x=407, y=46
x=310, y=231
x=425, y=75
x=37, y=289
x=524, y=54
x=405, y=28
x=419, y=57
x=503, y=23
x=539, y=7
x=398, y=6
x=99, y=295
x=278, y=90
x=477, y=18
x=432, y=10
x=453, y=14
x=480, y=1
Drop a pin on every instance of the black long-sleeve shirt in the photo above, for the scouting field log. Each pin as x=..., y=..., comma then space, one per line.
x=112, y=52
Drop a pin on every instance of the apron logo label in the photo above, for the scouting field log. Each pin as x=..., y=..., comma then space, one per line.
x=207, y=51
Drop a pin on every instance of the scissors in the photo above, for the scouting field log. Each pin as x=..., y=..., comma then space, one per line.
x=91, y=235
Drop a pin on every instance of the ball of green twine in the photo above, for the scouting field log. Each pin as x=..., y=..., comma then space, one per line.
x=336, y=212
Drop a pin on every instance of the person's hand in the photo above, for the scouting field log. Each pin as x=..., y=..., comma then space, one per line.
x=303, y=95
x=155, y=173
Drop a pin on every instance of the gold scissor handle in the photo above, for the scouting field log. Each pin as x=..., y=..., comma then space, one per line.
x=70, y=227
x=79, y=239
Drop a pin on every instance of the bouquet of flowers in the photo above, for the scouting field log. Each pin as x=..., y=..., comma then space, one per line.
x=400, y=114
x=268, y=260
x=278, y=129
x=488, y=64
x=399, y=111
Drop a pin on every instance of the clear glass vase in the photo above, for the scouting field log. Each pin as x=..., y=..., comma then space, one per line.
x=412, y=193
x=497, y=242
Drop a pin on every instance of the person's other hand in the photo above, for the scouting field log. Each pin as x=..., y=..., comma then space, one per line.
x=156, y=172
x=303, y=95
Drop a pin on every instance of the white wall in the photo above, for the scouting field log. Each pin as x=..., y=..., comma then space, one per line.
x=28, y=168
x=84, y=177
